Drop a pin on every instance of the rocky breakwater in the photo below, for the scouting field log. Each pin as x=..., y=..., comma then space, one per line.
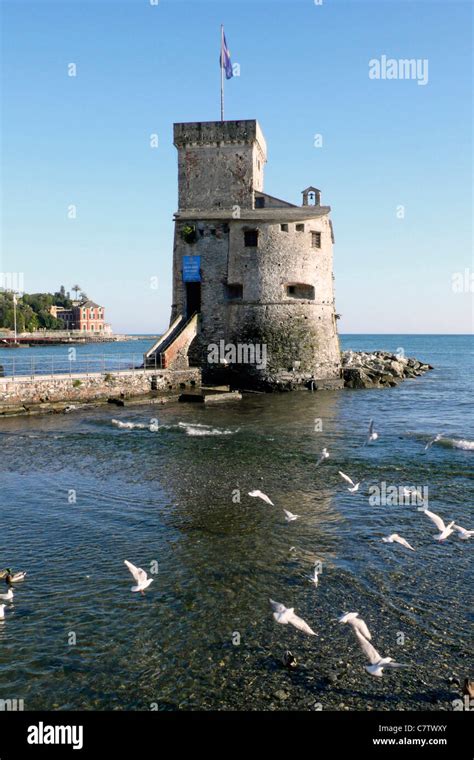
x=379, y=369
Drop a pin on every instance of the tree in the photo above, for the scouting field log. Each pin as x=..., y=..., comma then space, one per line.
x=76, y=289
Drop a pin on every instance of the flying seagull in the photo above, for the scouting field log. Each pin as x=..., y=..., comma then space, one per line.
x=394, y=537
x=8, y=596
x=285, y=615
x=445, y=530
x=377, y=663
x=324, y=455
x=355, y=486
x=463, y=533
x=371, y=435
x=289, y=516
x=140, y=576
x=261, y=495
x=434, y=440
x=353, y=619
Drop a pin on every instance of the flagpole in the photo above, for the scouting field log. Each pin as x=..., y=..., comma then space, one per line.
x=222, y=72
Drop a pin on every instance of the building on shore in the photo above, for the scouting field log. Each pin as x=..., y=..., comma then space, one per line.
x=252, y=274
x=83, y=316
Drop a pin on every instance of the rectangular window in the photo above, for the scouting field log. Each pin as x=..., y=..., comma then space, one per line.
x=234, y=291
x=300, y=228
x=316, y=239
x=251, y=238
x=284, y=227
x=300, y=290
x=259, y=202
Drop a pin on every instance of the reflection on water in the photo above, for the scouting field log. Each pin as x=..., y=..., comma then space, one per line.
x=81, y=494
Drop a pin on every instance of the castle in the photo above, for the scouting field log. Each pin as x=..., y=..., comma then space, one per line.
x=253, y=296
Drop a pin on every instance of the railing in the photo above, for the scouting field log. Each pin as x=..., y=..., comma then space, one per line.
x=33, y=366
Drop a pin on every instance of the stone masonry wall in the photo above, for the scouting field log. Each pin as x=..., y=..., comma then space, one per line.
x=40, y=389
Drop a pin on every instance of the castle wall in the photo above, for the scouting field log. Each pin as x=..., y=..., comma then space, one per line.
x=278, y=294
x=293, y=330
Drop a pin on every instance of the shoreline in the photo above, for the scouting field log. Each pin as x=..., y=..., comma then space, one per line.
x=42, y=394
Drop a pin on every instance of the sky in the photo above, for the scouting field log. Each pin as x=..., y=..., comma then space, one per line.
x=394, y=160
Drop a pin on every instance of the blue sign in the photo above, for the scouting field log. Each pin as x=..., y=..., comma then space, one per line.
x=191, y=269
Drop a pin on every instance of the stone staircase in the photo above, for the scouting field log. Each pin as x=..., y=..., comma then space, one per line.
x=171, y=350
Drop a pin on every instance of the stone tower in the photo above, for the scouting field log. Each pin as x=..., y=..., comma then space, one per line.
x=257, y=269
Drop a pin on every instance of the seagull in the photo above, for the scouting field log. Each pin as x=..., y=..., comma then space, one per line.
x=285, y=615
x=356, y=622
x=289, y=516
x=394, y=537
x=324, y=455
x=8, y=596
x=289, y=660
x=437, y=437
x=445, y=530
x=14, y=577
x=2, y=611
x=140, y=576
x=314, y=578
x=377, y=663
x=372, y=435
x=463, y=533
x=261, y=495
x=355, y=486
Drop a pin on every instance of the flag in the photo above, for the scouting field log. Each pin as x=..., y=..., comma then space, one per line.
x=226, y=63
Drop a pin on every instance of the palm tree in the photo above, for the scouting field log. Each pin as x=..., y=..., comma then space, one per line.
x=76, y=289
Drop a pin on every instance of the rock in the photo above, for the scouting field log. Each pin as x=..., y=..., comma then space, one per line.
x=282, y=695
x=380, y=368
x=357, y=378
x=397, y=368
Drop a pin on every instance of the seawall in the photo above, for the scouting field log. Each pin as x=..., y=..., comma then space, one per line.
x=19, y=393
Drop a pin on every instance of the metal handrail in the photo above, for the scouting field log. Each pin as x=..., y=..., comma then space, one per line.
x=48, y=365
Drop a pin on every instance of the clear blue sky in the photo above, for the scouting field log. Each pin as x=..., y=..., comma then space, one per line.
x=304, y=70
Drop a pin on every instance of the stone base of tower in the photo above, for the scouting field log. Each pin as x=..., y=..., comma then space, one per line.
x=239, y=377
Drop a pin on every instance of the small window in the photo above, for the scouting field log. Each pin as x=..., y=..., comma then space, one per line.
x=251, y=238
x=259, y=202
x=234, y=291
x=284, y=227
x=300, y=228
x=316, y=239
x=300, y=290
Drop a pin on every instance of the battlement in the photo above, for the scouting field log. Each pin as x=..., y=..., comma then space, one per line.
x=243, y=132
